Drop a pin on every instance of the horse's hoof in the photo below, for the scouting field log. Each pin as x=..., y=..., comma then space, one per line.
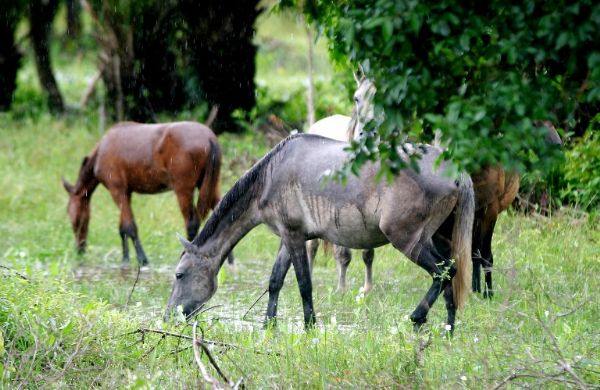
x=365, y=289
x=270, y=323
x=418, y=323
x=145, y=268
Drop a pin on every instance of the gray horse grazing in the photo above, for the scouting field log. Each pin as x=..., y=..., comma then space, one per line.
x=297, y=202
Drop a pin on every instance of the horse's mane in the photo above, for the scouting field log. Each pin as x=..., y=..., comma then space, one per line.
x=86, y=172
x=238, y=196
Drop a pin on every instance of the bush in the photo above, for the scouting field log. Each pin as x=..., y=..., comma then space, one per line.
x=582, y=170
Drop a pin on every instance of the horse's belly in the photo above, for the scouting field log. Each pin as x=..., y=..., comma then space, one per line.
x=353, y=228
x=350, y=225
x=149, y=182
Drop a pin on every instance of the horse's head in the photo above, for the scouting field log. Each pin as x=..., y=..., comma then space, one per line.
x=363, y=107
x=79, y=212
x=195, y=280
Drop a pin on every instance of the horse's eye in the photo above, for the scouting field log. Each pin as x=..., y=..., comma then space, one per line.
x=356, y=99
x=179, y=276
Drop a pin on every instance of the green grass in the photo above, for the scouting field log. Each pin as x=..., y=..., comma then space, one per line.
x=69, y=324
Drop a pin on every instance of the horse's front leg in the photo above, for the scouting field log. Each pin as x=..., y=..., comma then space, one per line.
x=297, y=251
x=280, y=269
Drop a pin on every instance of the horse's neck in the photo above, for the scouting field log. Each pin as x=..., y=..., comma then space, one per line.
x=232, y=219
x=230, y=229
x=87, y=181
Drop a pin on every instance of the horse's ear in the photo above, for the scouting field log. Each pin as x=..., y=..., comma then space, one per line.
x=188, y=246
x=356, y=79
x=362, y=71
x=68, y=186
x=84, y=161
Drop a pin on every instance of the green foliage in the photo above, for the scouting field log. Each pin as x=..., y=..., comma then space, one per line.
x=480, y=72
x=582, y=170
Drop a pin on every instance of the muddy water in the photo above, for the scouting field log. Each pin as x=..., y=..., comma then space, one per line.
x=232, y=304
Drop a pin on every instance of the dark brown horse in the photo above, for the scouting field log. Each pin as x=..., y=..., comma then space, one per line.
x=148, y=159
x=495, y=190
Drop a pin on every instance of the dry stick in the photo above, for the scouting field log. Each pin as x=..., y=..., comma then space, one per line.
x=212, y=115
x=91, y=88
x=137, y=277
x=310, y=99
x=14, y=272
x=254, y=304
x=184, y=337
x=195, y=343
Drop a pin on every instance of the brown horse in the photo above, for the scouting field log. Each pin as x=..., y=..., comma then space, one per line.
x=148, y=159
x=495, y=190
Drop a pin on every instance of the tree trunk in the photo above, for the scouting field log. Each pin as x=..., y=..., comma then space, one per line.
x=73, y=19
x=222, y=54
x=41, y=15
x=10, y=57
x=138, y=60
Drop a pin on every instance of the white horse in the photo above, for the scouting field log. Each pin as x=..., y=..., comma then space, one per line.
x=345, y=128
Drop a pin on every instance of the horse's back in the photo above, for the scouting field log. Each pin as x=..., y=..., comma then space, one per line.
x=334, y=127
x=148, y=157
x=300, y=187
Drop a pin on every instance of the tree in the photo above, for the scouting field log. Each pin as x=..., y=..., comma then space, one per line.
x=481, y=72
x=41, y=16
x=222, y=54
x=10, y=57
x=164, y=55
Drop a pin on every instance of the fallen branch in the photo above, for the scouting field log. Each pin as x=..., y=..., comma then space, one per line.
x=20, y=275
x=207, y=377
x=184, y=337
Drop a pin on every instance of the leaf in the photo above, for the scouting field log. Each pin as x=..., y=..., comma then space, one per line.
x=562, y=40
x=388, y=29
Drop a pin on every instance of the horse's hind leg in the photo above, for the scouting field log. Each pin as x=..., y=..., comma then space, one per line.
x=311, y=250
x=476, y=249
x=430, y=261
x=488, y=256
x=127, y=227
x=368, y=255
x=185, y=198
x=343, y=256
x=280, y=269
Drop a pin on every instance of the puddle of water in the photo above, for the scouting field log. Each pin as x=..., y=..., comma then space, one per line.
x=235, y=295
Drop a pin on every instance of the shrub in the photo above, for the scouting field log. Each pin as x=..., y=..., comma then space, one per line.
x=582, y=170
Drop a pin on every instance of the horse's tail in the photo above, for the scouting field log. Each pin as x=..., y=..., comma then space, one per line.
x=461, y=240
x=209, y=192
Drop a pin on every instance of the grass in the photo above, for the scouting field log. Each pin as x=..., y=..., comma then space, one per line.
x=70, y=323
